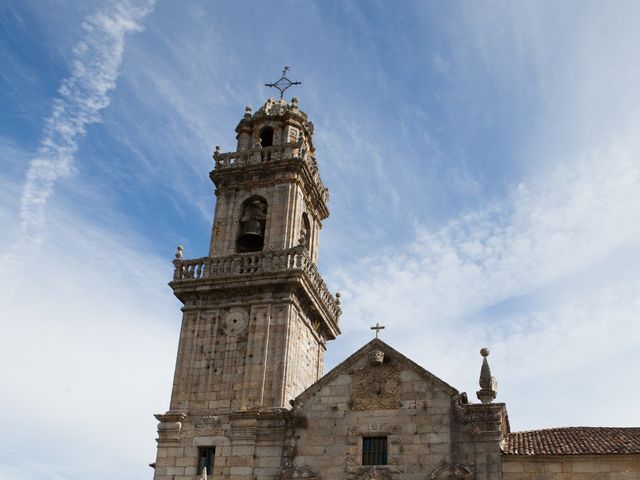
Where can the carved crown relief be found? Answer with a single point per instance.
(376, 386)
(208, 425)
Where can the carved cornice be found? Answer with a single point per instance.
(270, 267)
(170, 426)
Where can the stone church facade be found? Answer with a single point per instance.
(249, 398)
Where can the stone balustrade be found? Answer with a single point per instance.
(260, 155)
(241, 264)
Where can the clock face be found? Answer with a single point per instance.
(235, 322)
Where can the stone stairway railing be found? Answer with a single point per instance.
(254, 263)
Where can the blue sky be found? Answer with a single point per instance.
(484, 171)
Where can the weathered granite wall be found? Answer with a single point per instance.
(258, 350)
(595, 467)
(429, 432)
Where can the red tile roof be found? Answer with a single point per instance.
(573, 441)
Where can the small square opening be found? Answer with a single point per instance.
(374, 450)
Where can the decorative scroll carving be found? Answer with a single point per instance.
(376, 387)
(209, 425)
(452, 471)
(296, 473)
(371, 473)
(273, 107)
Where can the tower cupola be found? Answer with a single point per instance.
(269, 191)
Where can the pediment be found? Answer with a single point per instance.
(369, 374)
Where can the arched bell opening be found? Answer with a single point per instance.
(252, 225)
(306, 227)
(266, 137)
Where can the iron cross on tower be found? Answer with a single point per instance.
(377, 328)
(283, 83)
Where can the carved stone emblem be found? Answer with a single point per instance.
(235, 322)
(376, 356)
(208, 425)
(376, 387)
(372, 473)
(298, 473)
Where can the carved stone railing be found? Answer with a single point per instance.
(293, 259)
(261, 155)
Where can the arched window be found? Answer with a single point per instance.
(252, 225)
(266, 137)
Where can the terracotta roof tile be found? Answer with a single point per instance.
(573, 441)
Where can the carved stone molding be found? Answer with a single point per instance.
(371, 473)
(170, 427)
(208, 425)
(298, 473)
(376, 387)
(452, 471)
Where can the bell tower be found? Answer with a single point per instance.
(257, 314)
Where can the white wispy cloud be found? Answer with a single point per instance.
(82, 96)
(91, 333)
(453, 284)
(548, 274)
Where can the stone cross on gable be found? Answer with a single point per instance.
(377, 328)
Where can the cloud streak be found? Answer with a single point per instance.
(96, 62)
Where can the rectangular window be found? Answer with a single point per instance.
(205, 459)
(374, 450)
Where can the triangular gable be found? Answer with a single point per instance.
(347, 364)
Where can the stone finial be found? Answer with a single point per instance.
(302, 241)
(338, 301)
(294, 103)
(179, 252)
(488, 385)
(217, 151)
(247, 111)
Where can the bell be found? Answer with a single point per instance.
(251, 238)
